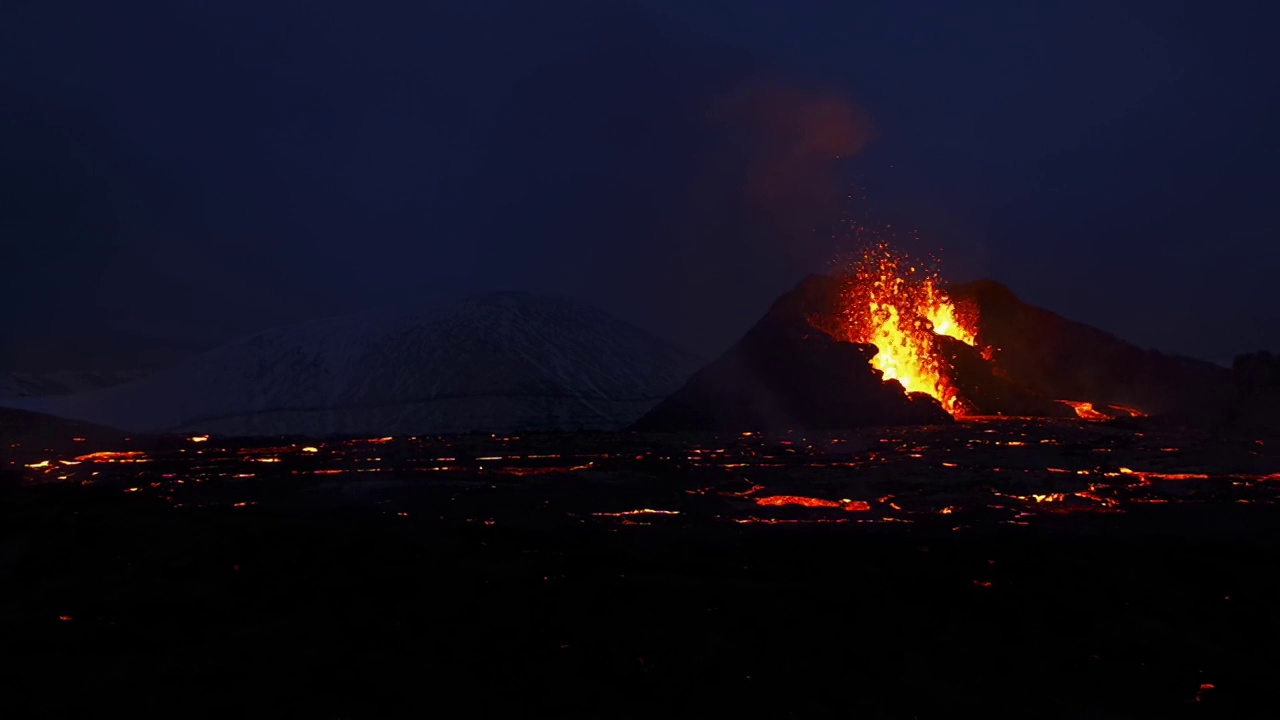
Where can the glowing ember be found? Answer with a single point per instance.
(902, 310)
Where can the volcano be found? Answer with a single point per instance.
(887, 343)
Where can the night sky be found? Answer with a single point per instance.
(200, 170)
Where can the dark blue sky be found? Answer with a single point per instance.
(205, 169)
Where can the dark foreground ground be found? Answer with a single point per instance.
(1007, 569)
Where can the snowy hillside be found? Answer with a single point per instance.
(497, 363)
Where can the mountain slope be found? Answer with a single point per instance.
(1072, 361)
(497, 363)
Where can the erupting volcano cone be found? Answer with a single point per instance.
(927, 340)
(884, 343)
(881, 344)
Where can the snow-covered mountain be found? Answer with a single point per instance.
(497, 363)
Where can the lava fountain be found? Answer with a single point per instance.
(902, 309)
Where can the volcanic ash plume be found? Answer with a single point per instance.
(901, 308)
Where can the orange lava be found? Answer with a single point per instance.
(1085, 410)
(641, 511)
(902, 309)
(107, 456)
(1133, 412)
(848, 505)
(522, 471)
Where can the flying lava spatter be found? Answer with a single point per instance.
(902, 309)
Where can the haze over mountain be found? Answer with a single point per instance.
(496, 363)
(83, 361)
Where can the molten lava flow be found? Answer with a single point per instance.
(846, 505)
(902, 310)
(1133, 412)
(1085, 410)
(106, 456)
